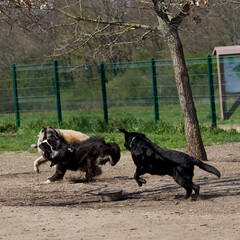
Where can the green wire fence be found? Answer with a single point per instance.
(143, 90)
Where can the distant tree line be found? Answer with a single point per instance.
(24, 41)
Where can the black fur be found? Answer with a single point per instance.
(85, 156)
(150, 158)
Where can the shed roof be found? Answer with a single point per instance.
(226, 50)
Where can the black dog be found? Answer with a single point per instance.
(85, 156)
(150, 158)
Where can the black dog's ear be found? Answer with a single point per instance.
(142, 135)
(123, 130)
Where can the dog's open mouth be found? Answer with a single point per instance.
(47, 148)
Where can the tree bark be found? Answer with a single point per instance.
(193, 136)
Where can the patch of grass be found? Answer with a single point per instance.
(165, 135)
(8, 127)
(219, 136)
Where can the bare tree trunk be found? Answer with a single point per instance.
(193, 136)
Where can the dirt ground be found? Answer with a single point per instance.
(70, 209)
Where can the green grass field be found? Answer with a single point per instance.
(168, 133)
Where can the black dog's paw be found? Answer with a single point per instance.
(141, 181)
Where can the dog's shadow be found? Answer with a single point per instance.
(76, 180)
(218, 188)
(79, 180)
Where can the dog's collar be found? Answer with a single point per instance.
(130, 144)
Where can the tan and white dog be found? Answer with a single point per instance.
(70, 136)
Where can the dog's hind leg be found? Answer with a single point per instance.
(183, 176)
(196, 189)
(187, 183)
(189, 189)
(188, 192)
(90, 169)
(97, 171)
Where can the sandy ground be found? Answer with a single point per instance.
(71, 209)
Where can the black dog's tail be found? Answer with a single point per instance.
(206, 167)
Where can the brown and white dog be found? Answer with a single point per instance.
(86, 156)
(70, 136)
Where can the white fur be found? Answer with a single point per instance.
(105, 158)
(47, 182)
(46, 141)
(53, 153)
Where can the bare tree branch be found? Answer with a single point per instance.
(112, 23)
(176, 21)
(81, 45)
(114, 41)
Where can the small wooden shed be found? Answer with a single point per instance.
(228, 60)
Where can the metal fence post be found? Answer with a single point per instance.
(57, 92)
(211, 91)
(14, 75)
(104, 94)
(155, 92)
